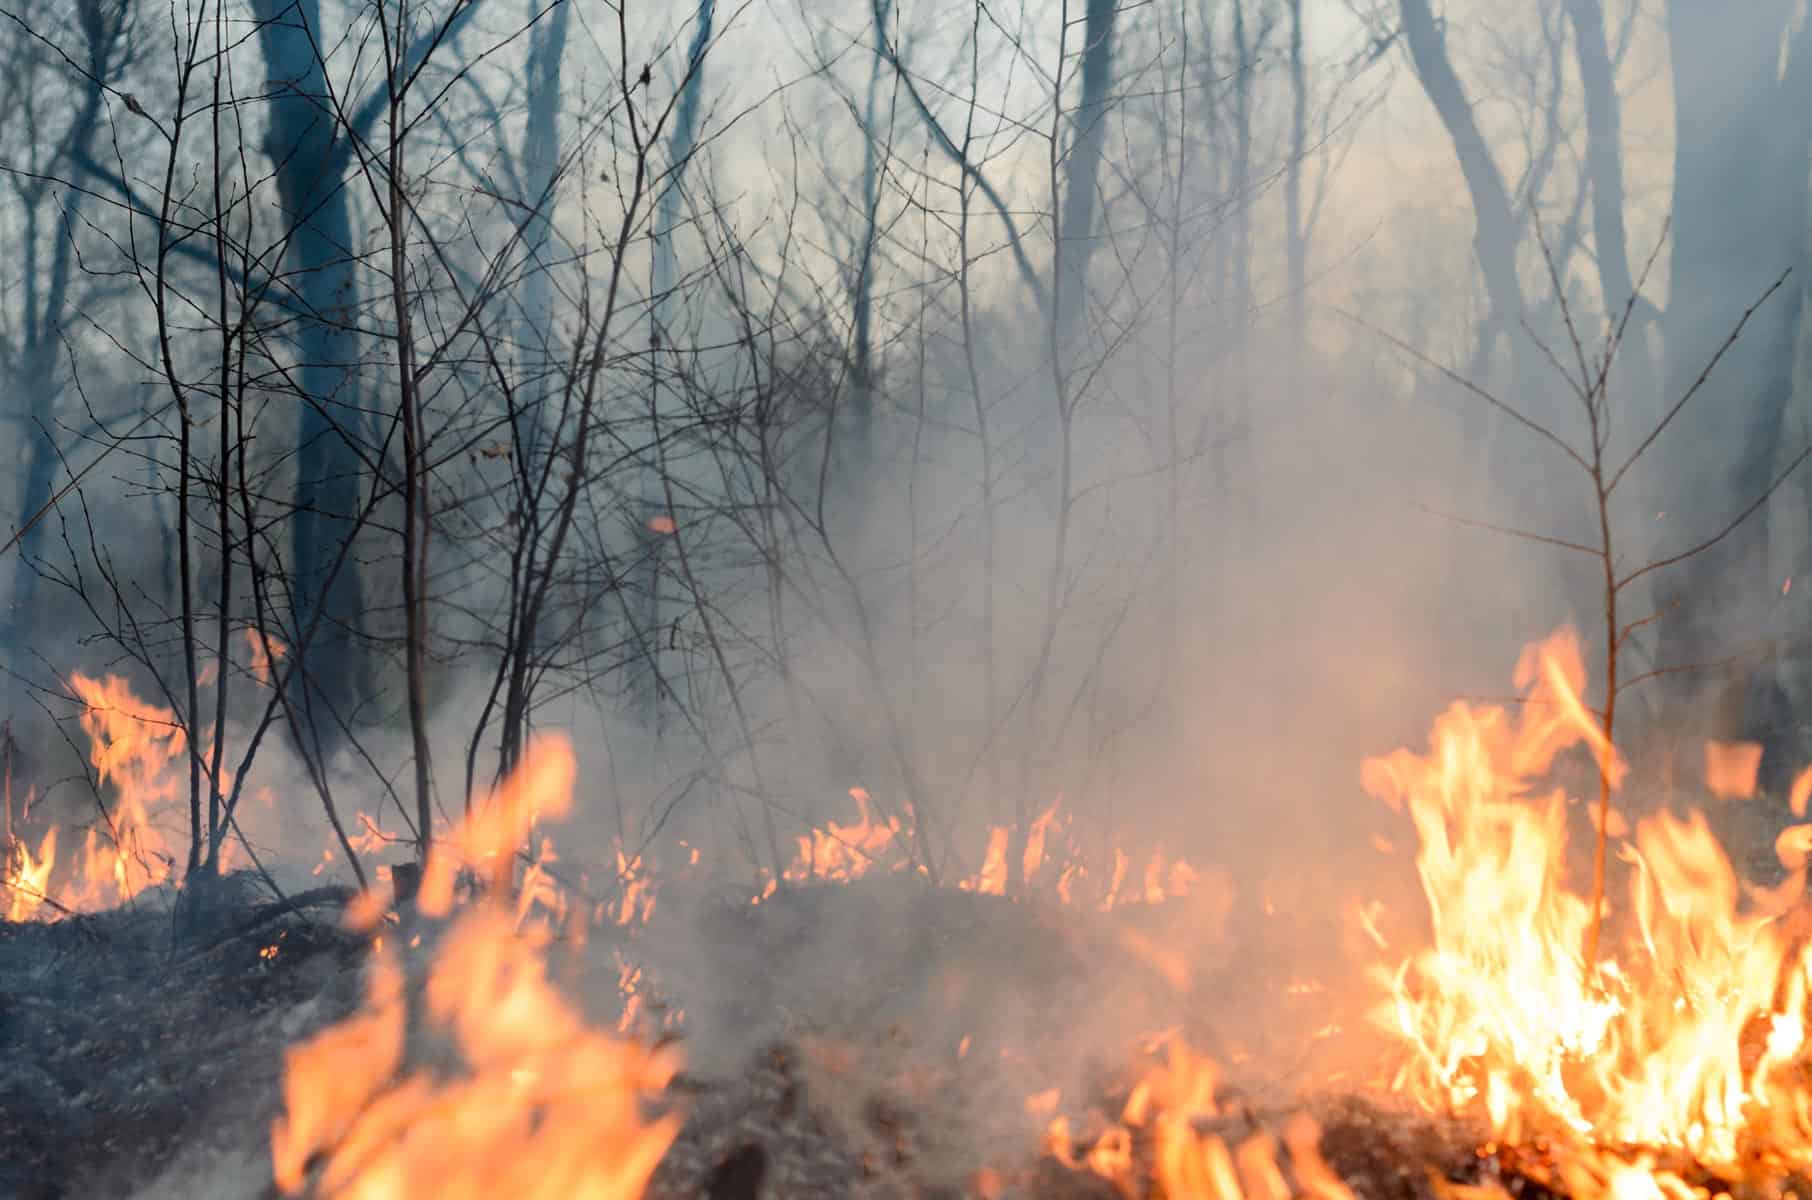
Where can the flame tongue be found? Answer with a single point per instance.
(1684, 1037)
(132, 745)
(543, 1105)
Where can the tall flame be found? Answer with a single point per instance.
(133, 746)
(1687, 1035)
(25, 877)
(544, 1106)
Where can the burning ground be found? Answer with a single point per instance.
(835, 1065)
(1056, 1023)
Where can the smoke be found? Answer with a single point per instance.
(1178, 567)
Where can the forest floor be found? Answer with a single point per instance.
(875, 1039)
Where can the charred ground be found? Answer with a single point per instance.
(828, 1060)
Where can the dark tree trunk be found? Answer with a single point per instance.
(862, 301)
(1604, 154)
(1741, 130)
(1494, 237)
(654, 529)
(1296, 248)
(310, 160)
(1076, 225)
(1494, 240)
(47, 300)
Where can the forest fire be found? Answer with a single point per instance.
(1685, 1040)
(133, 746)
(1053, 861)
(930, 462)
(544, 1106)
(1176, 1103)
(1673, 1066)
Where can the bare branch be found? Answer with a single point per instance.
(1754, 506)
(1698, 383)
(1455, 377)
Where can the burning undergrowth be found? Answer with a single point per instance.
(1051, 1024)
(1660, 1052)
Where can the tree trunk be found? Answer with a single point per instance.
(1076, 226)
(1494, 237)
(540, 171)
(862, 370)
(1296, 248)
(37, 378)
(1604, 156)
(655, 529)
(310, 161)
(1739, 219)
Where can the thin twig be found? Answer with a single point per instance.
(1754, 505)
(1697, 383)
(1455, 377)
(1508, 530)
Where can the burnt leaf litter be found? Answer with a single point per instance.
(133, 1047)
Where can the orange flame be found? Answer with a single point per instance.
(1730, 769)
(992, 881)
(1172, 1101)
(635, 906)
(486, 842)
(546, 1107)
(266, 651)
(844, 852)
(133, 745)
(25, 877)
(1687, 1035)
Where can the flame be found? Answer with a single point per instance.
(1171, 1103)
(1689, 1034)
(25, 877)
(1730, 769)
(545, 1107)
(541, 900)
(1051, 861)
(140, 750)
(992, 880)
(486, 842)
(1800, 792)
(265, 651)
(329, 1080)
(635, 906)
(369, 837)
(843, 852)
(133, 745)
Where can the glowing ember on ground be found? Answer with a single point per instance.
(1689, 1036)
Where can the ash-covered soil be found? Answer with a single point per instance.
(120, 1042)
(876, 1039)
